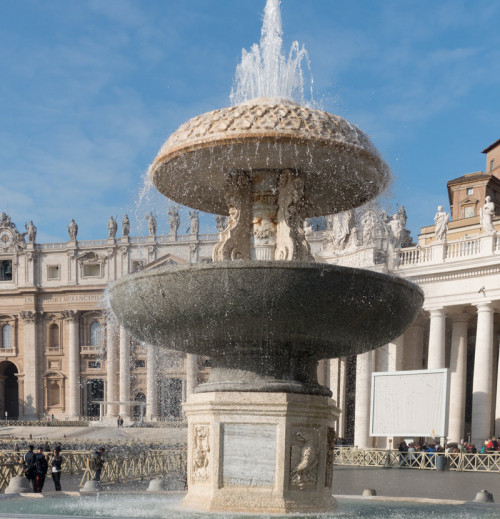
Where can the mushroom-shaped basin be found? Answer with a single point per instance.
(275, 308)
(340, 166)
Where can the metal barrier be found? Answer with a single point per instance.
(117, 469)
(462, 462)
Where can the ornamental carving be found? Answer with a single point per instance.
(69, 315)
(10, 237)
(201, 453)
(30, 316)
(305, 457)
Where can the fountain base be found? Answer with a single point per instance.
(260, 452)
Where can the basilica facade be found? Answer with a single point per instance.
(62, 355)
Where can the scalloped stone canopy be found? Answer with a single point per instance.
(341, 167)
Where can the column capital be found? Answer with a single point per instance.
(437, 312)
(30, 316)
(70, 315)
(486, 306)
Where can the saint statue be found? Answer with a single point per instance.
(151, 224)
(486, 215)
(441, 224)
(112, 227)
(175, 220)
(73, 230)
(31, 232)
(194, 219)
(220, 222)
(125, 226)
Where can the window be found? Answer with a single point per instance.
(6, 270)
(140, 363)
(53, 336)
(95, 334)
(94, 364)
(92, 270)
(7, 336)
(468, 211)
(470, 190)
(492, 164)
(53, 272)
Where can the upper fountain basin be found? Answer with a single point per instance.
(341, 167)
(211, 309)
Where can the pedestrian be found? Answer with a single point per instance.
(28, 465)
(41, 467)
(46, 447)
(118, 421)
(56, 463)
(121, 421)
(58, 447)
(97, 463)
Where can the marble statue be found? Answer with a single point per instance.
(175, 220)
(396, 226)
(194, 222)
(152, 224)
(112, 227)
(31, 232)
(125, 226)
(369, 224)
(441, 224)
(486, 214)
(73, 230)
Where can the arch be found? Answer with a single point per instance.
(95, 334)
(6, 336)
(9, 390)
(138, 409)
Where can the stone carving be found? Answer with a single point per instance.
(330, 456)
(344, 231)
(175, 221)
(70, 315)
(308, 228)
(30, 316)
(220, 222)
(194, 222)
(112, 227)
(304, 473)
(291, 243)
(9, 235)
(31, 229)
(369, 223)
(487, 212)
(235, 239)
(441, 224)
(73, 230)
(151, 225)
(125, 226)
(201, 452)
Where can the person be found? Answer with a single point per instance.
(486, 215)
(121, 421)
(58, 447)
(441, 222)
(97, 463)
(41, 467)
(55, 464)
(118, 421)
(46, 447)
(28, 466)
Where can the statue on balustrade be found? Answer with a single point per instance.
(112, 227)
(487, 212)
(73, 230)
(125, 226)
(152, 224)
(175, 220)
(194, 222)
(441, 224)
(31, 232)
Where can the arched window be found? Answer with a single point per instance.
(54, 336)
(95, 334)
(7, 336)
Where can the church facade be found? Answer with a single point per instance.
(62, 355)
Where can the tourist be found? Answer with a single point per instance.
(58, 447)
(46, 447)
(28, 465)
(41, 467)
(56, 463)
(119, 421)
(97, 463)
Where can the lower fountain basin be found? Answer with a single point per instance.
(265, 324)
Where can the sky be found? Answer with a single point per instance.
(90, 89)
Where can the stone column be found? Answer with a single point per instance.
(111, 369)
(414, 346)
(71, 317)
(124, 372)
(436, 356)
(338, 368)
(497, 408)
(483, 375)
(395, 354)
(191, 374)
(458, 378)
(151, 383)
(32, 367)
(364, 367)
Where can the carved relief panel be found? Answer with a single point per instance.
(200, 468)
(304, 458)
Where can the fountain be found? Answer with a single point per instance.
(260, 431)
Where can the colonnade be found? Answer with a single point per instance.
(448, 332)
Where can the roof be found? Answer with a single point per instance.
(491, 146)
(470, 177)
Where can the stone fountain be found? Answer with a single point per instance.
(260, 431)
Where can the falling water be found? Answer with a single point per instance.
(265, 71)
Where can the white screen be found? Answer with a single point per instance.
(409, 403)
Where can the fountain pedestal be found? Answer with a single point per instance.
(260, 452)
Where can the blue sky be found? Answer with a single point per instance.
(90, 89)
